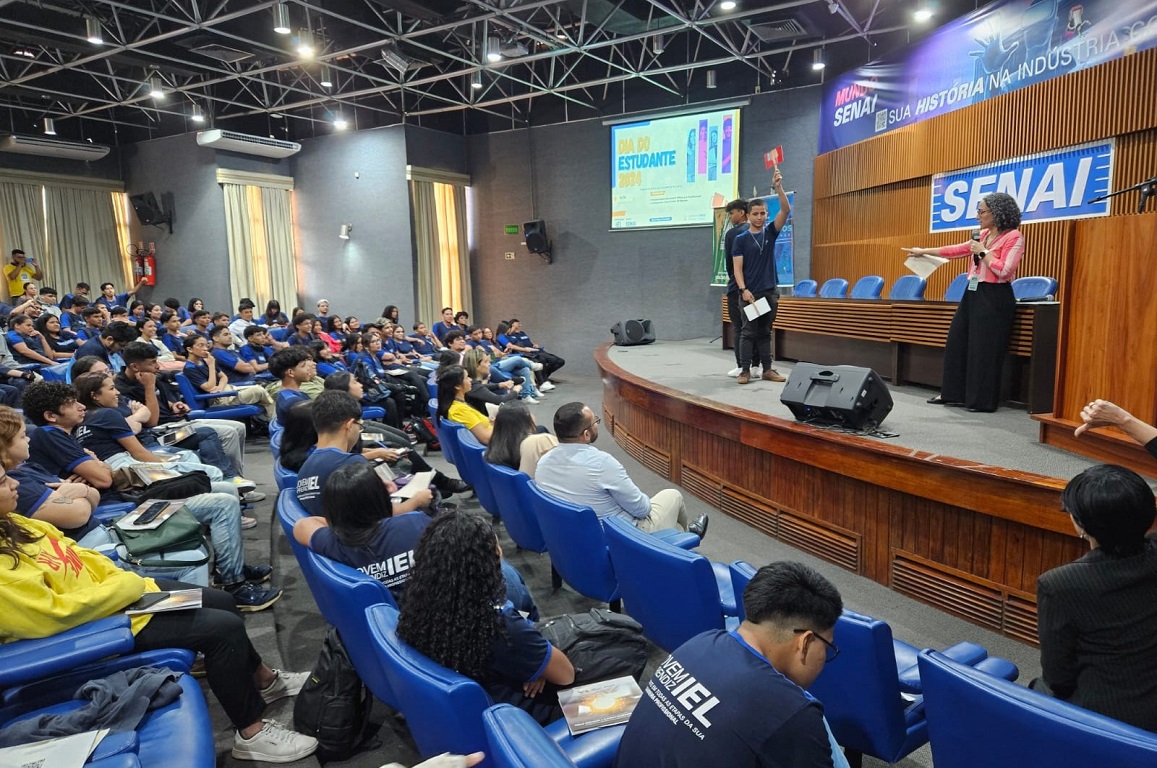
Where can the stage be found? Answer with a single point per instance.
(960, 510)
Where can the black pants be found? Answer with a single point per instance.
(550, 363)
(216, 630)
(755, 346)
(735, 312)
(976, 346)
(414, 379)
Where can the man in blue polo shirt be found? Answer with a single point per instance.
(257, 351)
(110, 341)
(110, 298)
(236, 369)
(739, 699)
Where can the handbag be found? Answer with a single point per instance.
(179, 532)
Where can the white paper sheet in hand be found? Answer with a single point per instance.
(924, 265)
(760, 307)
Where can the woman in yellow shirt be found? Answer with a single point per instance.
(48, 584)
(453, 384)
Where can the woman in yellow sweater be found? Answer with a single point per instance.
(453, 384)
(48, 584)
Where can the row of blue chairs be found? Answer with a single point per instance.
(911, 288)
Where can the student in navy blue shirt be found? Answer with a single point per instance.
(257, 350)
(512, 338)
(79, 292)
(292, 367)
(739, 698)
(445, 325)
(173, 339)
(92, 322)
(302, 330)
(236, 369)
(110, 298)
(327, 362)
(201, 371)
(110, 341)
(70, 316)
(423, 340)
(202, 323)
(26, 344)
(60, 340)
(273, 315)
(753, 259)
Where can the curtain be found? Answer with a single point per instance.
(425, 216)
(83, 243)
(259, 226)
(443, 258)
(22, 220)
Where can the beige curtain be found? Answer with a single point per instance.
(425, 216)
(21, 220)
(443, 256)
(83, 242)
(259, 226)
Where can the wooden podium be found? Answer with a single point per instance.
(1108, 337)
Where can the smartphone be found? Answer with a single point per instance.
(150, 514)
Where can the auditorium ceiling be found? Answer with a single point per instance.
(419, 62)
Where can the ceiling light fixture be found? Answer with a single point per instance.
(26, 53)
(711, 78)
(156, 87)
(92, 30)
(198, 116)
(817, 60)
(833, 7)
(305, 44)
(493, 49)
(339, 122)
(923, 13)
(344, 231)
(658, 43)
(49, 126)
(727, 5)
(326, 78)
(560, 35)
(281, 19)
(476, 81)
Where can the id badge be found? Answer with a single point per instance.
(973, 282)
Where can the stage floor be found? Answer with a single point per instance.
(1007, 438)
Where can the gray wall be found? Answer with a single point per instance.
(598, 276)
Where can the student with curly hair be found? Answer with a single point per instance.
(453, 611)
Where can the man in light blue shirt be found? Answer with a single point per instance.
(578, 472)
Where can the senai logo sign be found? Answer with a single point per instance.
(1047, 186)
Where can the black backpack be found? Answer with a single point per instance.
(600, 644)
(186, 486)
(334, 704)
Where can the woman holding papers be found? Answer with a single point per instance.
(978, 338)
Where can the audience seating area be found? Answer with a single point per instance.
(912, 287)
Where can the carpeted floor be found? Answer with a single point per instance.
(290, 633)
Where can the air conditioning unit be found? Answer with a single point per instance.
(249, 145)
(49, 147)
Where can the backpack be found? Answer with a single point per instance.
(131, 487)
(600, 644)
(334, 704)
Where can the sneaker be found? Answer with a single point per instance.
(284, 685)
(253, 497)
(744, 377)
(274, 743)
(248, 522)
(772, 375)
(256, 574)
(529, 399)
(546, 386)
(244, 486)
(535, 366)
(734, 372)
(250, 597)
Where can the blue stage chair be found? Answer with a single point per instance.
(199, 410)
(473, 469)
(869, 287)
(861, 689)
(975, 719)
(741, 575)
(957, 287)
(673, 593)
(805, 289)
(515, 740)
(511, 489)
(908, 288)
(1034, 288)
(444, 709)
(836, 288)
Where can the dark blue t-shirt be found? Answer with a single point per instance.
(32, 343)
(717, 701)
(519, 654)
(388, 557)
(101, 430)
(728, 249)
(197, 374)
(33, 491)
(56, 451)
(286, 399)
(227, 361)
(424, 346)
(758, 252)
(315, 471)
(255, 353)
(95, 348)
(120, 300)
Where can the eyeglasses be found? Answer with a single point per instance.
(831, 651)
(598, 420)
(359, 422)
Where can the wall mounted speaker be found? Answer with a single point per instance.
(628, 333)
(535, 234)
(846, 395)
(149, 211)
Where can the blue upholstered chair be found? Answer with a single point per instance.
(515, 740)
(861, 689)
(975, 719)
(280, 332)
(275, 444)
(908, 288)
(805, 289)
(673, 593)
(868, 287)
(106, 513)
(473, 468)
(1034, 288)
(836, 288)
(289, 511)
(956, 288)
(198, 403)
(444, 709)
(38, 677)
(448, 439)
(511, 490)
(741, 575)
(58, 372)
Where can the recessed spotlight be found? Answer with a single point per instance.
(658, 43)
(922, 14)
(476, 80)
(277, 115)
(26, 53)
(711, 81)
(344, 231)
(493, 49)
(326, 78)
(728, 5)
(92, 31)
(560, 35)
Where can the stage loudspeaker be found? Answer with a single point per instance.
(149, 211)
(846, 395)
(628, 333)
(535, 234)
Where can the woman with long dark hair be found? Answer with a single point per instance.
(60, 340)
(273, 315)
(453, 612)
(453, 384)
(515, 441)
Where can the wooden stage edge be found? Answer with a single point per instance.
(965, 537)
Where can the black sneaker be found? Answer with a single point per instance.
(256, 574)
(251, 597)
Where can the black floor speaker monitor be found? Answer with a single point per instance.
(630, 332)
(846, 395)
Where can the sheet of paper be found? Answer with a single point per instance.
(420, 481)
(924, 265)
(66, 752)
(492, 411)
(760, 307)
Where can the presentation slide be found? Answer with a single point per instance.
(673, 171)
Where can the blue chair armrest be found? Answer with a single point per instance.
(47, 690)
(594, 749)
(106, 513)
(677, 538)
(26, 660)
(727, 600)
(969, 654)
(997, 667)
(214, 395)
(119, 760)
(120, 743)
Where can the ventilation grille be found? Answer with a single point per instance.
(755, 513)
(779, 30)
(1020, 620)
(223, 53)
(701, 485)
(841, 548)
(608, 420)
(656, 461)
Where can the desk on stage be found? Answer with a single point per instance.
(903, 341)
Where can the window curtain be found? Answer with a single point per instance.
(22, 220)
(443, 258)
(259, 226)
(83, 242)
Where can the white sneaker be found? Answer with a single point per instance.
(274, 743)
(535, 365)
(252, 497)
(284, 685)
(529, 399)
(244, 486)
(734, 372)
(546, 386)
(248, 523)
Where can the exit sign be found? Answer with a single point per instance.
(511, 229)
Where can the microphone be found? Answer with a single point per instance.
(976, 238)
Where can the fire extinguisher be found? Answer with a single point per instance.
(144, 263)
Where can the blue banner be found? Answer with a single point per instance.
(1047, 186)
(1002, 47)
